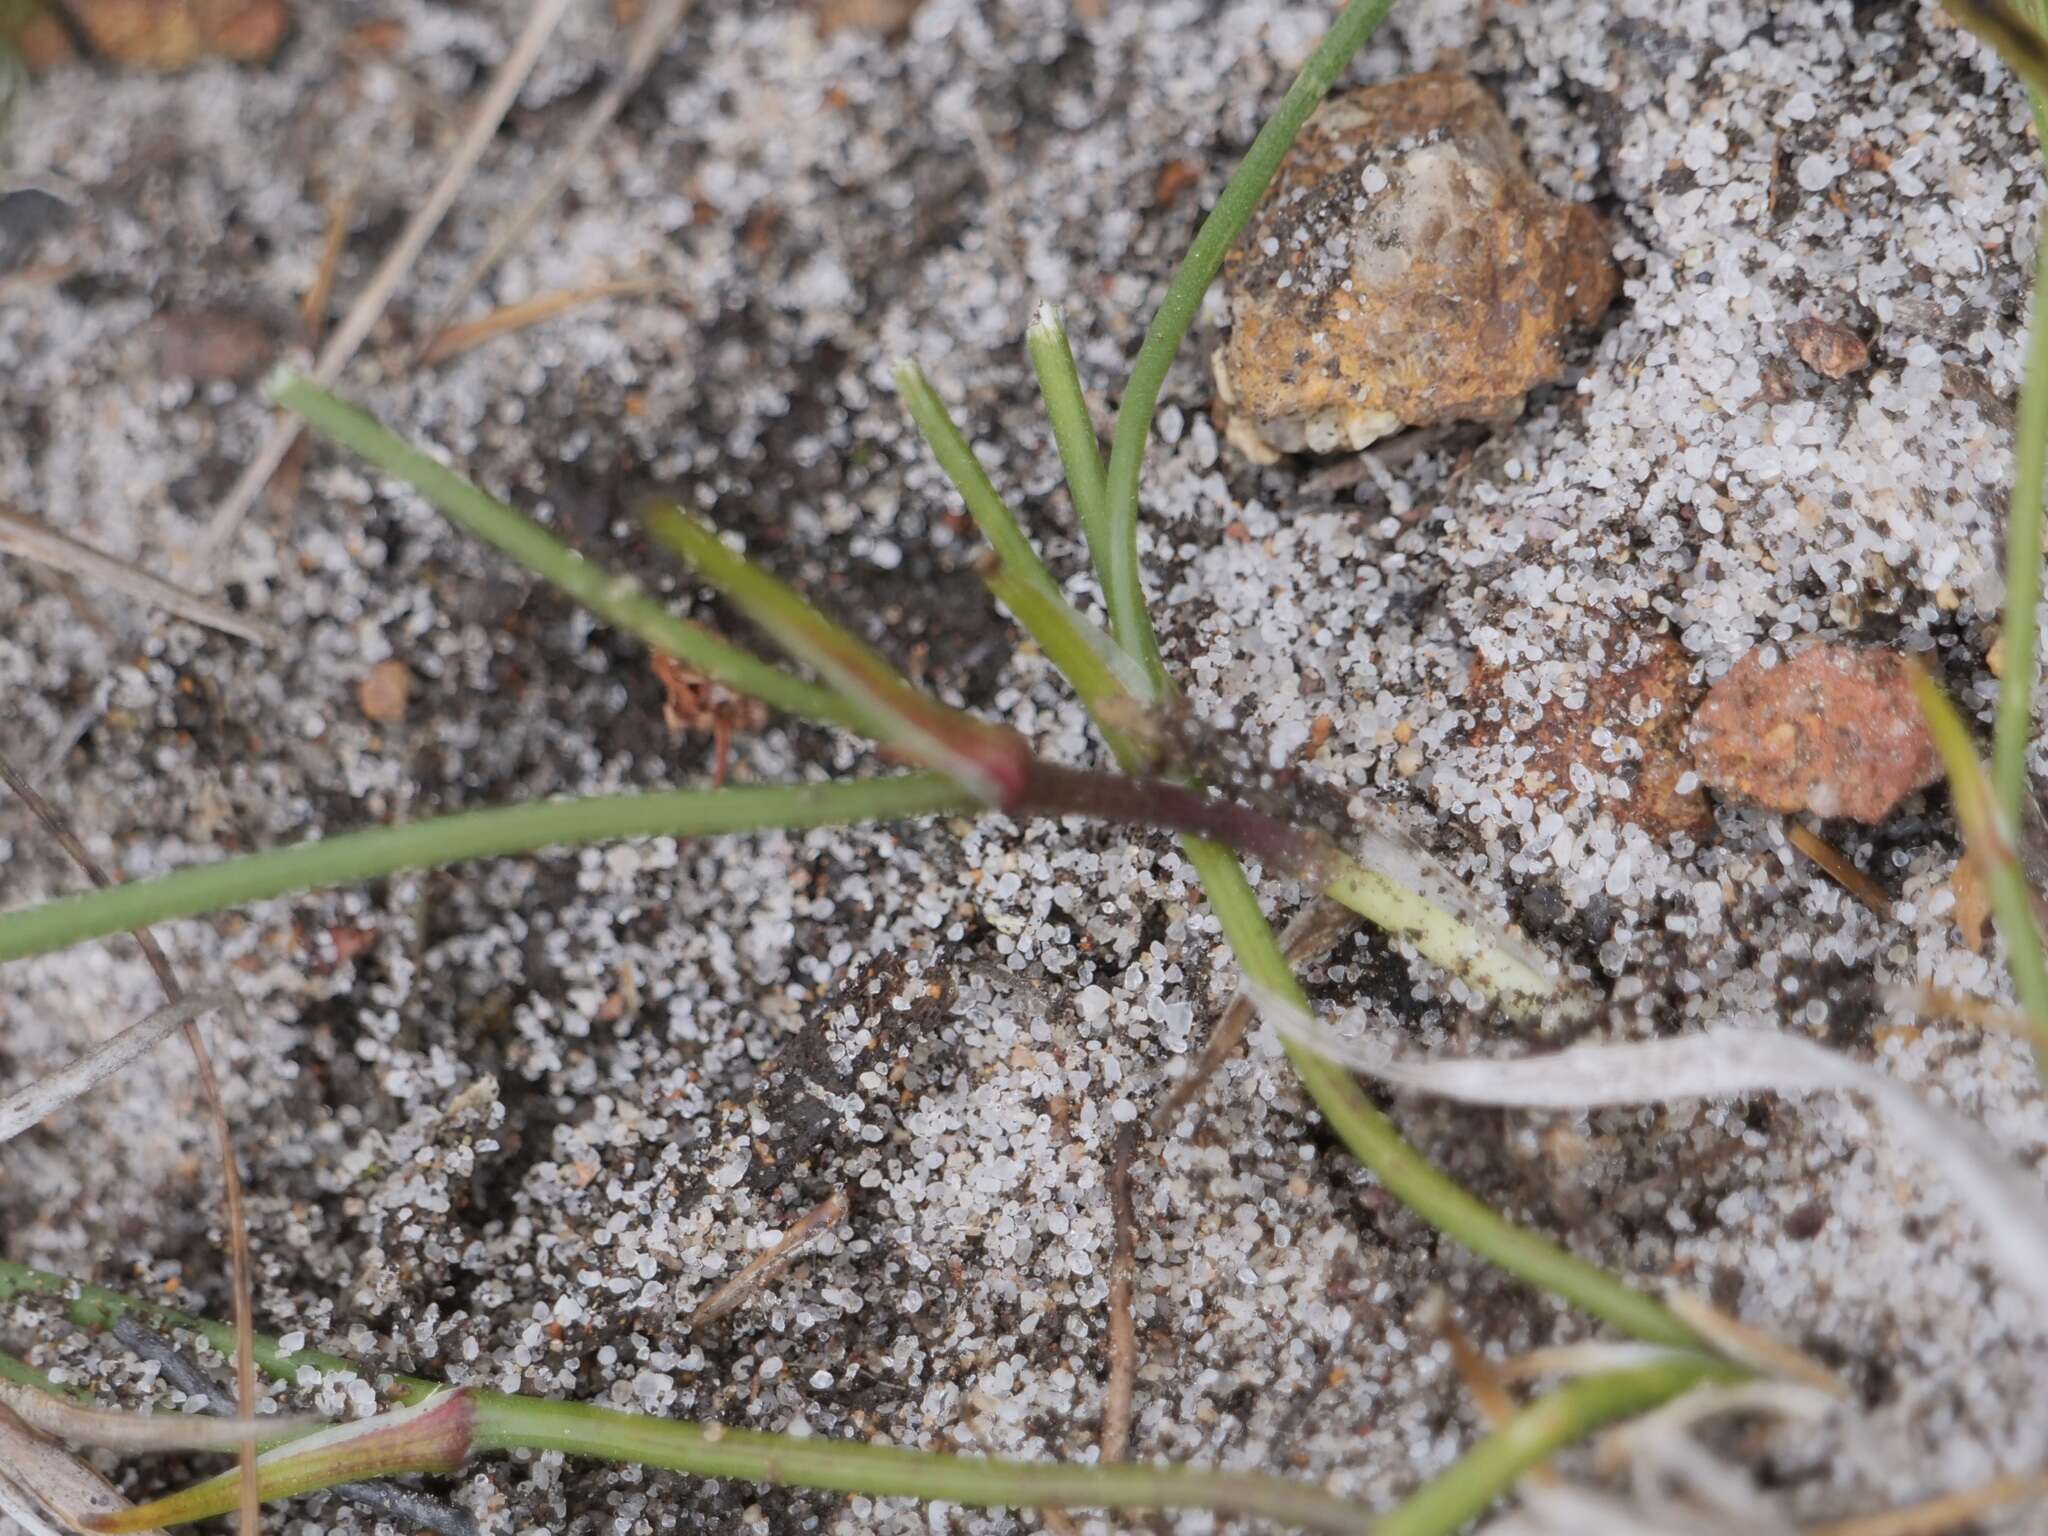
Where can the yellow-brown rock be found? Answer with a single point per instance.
(1403, 270)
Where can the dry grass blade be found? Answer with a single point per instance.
(1938, 1003)
(313, 306)
(1838, 868)
(657, 21)
(1753, 1347)
(2008, 1204)
(30, 540)
(808, 1228)
(1938, 1516)
(119, 1430)
(1484, 1381)
(1568, 1510)
(42, 1098)
(1662, 1456)
(41, 1483)
(209, 1087)
(457, 339)
(1123, 1331)
(369, 306)
(1583, 1359)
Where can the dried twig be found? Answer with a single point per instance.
(1123, 1275)
(1752, 1346)
(118, 1429)
(209, 1087)
(657, 21)
(809, 1227)
(1942, 1514)
(1314, 932)
(31, 540)
(457, 339)
(369, 306)
(31, 1105)
(1838, 868)
(313, 306)
(408, 1506)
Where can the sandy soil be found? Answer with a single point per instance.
(504, 1124)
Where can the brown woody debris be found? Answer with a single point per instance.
(1829, 349)
(1833, 730)
(386, 691)
(885, 18)
(1631, 727)
(173, 34)
(1403, 270)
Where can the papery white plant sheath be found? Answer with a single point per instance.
(2007, 1201)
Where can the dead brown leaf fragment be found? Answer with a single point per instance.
(1830, 349)
(696, 703)
(207, 346)
(1833, 730)
(175, 34)
(386, 691)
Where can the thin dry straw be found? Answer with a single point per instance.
(119, 1430)
(237, 1223)
(657, 21)
(31, 1105)
(32, 541)
(369, 306)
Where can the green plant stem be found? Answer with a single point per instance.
(507, 1422)
(22, 1374)
(1122, 585)
(616, 599)
(441, 840)
(1073, 429)
(1988, 842)
(1369, 1135)
(504, 1422)
(94, 1306)
(988, 759)
(1374, 1140)
(1102, 679)
(1537, 1433)
(851, 1467)
(2019, 638)
(963, 467)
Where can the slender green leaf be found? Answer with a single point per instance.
(991, 761)
(1121, 582)
(442, 840)
(1073, 429)
(617, 600)
(1989, 841)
